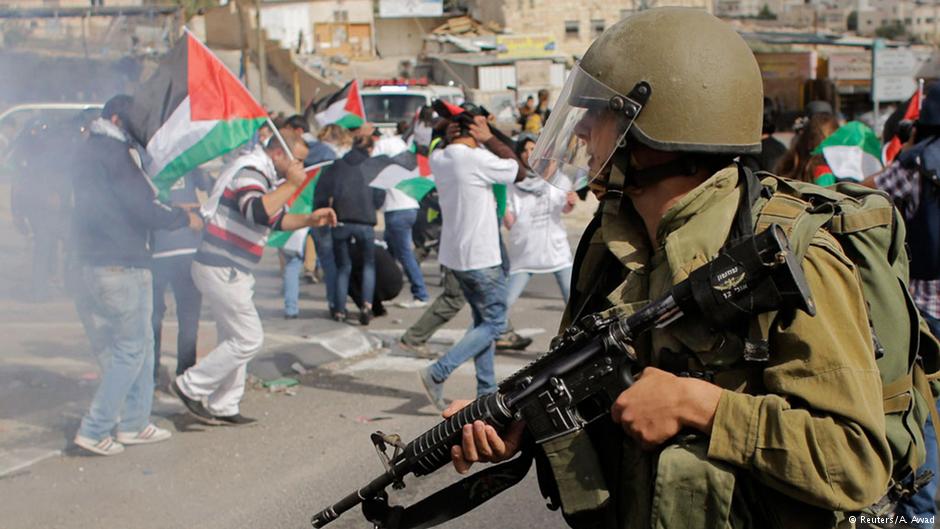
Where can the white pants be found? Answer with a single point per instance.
(218, 379)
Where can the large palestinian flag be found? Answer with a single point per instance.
(343, 108)
(190, 111)
(301, 202)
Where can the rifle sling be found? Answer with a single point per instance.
(457, 499)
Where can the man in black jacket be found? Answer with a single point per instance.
(115, 210)
(344, 186)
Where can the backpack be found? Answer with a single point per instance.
(923, 228)
(871, 233)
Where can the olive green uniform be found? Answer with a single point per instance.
(796, 440)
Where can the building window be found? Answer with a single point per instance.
(597, 27)
(341, 16)
(572, 29)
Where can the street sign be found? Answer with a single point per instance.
(893, 74)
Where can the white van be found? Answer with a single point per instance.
(388, 101)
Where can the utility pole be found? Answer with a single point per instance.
(262, 53)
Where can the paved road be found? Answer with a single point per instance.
(309, 448)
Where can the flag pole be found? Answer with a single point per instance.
(280, 139)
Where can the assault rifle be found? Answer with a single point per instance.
(592, 362)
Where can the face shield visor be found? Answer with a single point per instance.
(589, 122)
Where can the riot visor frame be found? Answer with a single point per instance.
(588, 124)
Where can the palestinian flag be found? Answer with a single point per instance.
(893, 148)
(852, 153)
(301, 202)
(190, 111)
(343, 108)
(416, 182)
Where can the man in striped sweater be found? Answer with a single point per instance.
(252, 201)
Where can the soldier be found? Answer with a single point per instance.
(663, 102)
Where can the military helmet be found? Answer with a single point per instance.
(675, 79)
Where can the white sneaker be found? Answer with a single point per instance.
(151, 434)
(104, 447)
(413, 304)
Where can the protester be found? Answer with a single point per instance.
(388, 277)
(525, 110)
(293, 256)
(345, 187)
(423, 130)
(401, 214)
(245, 205)
(903, 181)
(465, 173)
(394, 144)
(40, 195)
(173, 252)
(115, 209)
(317, 150)
(338, 142)
(799, 162)
(538, 241)
(443, 309)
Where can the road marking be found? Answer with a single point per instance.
(15, 460)
(346, 342)
(402, 364)
(447, 336)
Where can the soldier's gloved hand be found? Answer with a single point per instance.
(481, 442)
(661, 404)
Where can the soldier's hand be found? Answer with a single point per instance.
(481, 442)
(660, 404)
(296, 175)
(480, 129)
(322, 217)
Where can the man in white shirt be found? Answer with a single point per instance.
(465, 173)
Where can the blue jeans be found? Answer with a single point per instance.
(922, 504)
(293, 262)
(174, 272)
(398, 226)
(485, 290)
(323, 242)
(116, 305)
(518, 281)
(365, 234)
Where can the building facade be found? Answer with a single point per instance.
(573, 24)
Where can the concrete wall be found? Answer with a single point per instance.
(222, 27)
(402, 36)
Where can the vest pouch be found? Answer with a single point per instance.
(691, 491)
(577, 472)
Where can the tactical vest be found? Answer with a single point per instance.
(687, 489)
